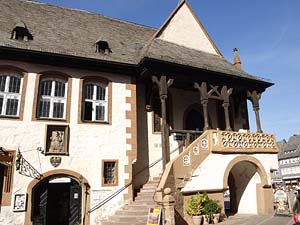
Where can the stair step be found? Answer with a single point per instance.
(146, 199)
(149, 190)
(136, 213)
(145, 194)
(133, 212)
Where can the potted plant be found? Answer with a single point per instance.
(195, 207)
(212, 210)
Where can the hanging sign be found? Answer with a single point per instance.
(154, 216)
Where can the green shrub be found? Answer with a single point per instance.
(211, 207)
(195, 204)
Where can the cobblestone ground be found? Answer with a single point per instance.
(259, 220)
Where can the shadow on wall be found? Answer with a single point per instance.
(141, 166)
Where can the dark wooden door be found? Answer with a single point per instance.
(1, 182)
(75, 203)
(43, 206)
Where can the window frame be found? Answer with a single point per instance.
(108, 93)
(12, 95)
(54, 76)
(95, 102)
(116, 173)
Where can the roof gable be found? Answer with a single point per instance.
(185, 29)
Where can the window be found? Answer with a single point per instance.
(21, 33)
(10, 94)
(95, 102)
(52, 98)
(109, 173)
(103, 47)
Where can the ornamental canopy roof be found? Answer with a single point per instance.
(70, 32)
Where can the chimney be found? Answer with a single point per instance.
(237, 61)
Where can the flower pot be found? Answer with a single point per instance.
(216, 218)
(197, 220)
(205, 219)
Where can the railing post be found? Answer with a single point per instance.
(168, 203)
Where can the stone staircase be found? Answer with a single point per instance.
(136, 213)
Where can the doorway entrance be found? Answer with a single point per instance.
(57, 201)
(242, 182)
(193, 120)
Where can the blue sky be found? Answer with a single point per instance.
(265, 32)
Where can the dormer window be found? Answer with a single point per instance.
(103, 47)
(21, 33)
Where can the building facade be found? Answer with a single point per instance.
(93, 107)
(288, 160)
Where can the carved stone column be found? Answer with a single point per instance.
(168, 203)
(225, 93)
(254, 98)
(204, 102)
(163, 86)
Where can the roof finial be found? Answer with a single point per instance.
(237, 60)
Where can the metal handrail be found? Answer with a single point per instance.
(114, 194)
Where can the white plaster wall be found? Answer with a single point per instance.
(248, 201)
(185, 30)
(89, 143)
(215, 165)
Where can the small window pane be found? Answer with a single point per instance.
(2, 83)
(44, 108)
(109, 172)
(88, 110)
(100, 93)
(14, 84)
(12, 107)
(1, 103)
(59, 89)
(58, 110)
(100, 112)
(46, 87)
(88, 94)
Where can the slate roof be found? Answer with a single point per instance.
(71, 32)
(74, 32)
(291, 149)
(170, 52)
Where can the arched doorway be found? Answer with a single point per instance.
(248, 187)
(56, 200)
(193, 120)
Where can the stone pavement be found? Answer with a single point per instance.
(243, 219)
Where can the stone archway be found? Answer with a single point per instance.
(193, 118)
(81, 195)
(249, 189)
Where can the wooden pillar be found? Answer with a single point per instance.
(225, 93)
(163, 86)
(254, 98)
(204, 101)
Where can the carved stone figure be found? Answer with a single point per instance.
(57, 142)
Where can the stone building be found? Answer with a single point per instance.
(93, 109)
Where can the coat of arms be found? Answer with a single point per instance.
(55, 161)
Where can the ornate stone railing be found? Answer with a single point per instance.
(241, 142)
